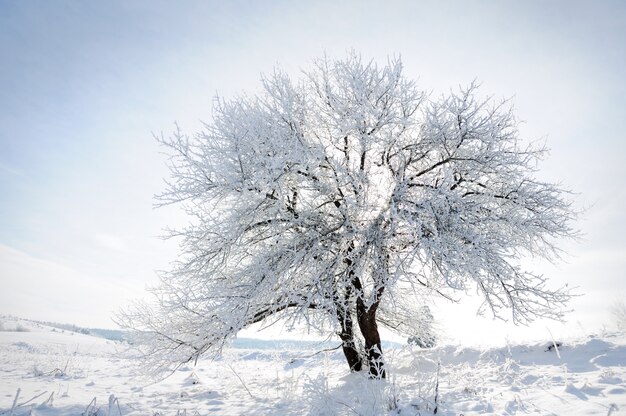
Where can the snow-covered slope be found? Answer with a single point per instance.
(64, 373)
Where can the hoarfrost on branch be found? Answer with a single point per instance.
(346, 199)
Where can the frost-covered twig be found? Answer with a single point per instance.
(437, 388)
(49, 401)
(321, 351)
(114, 401)
(555, 345)
(91, 409)
(16, 405)
(17, 395)
(241, 381)
(32, 398)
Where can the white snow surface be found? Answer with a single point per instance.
(64, 373)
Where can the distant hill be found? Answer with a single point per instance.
(238, 343)
(111, 334)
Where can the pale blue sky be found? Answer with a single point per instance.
(84, 84)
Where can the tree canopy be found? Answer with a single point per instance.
(350, 196)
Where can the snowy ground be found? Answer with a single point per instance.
(64, 373)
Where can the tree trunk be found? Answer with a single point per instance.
(366, 317)
(355, 362)
(373, 348)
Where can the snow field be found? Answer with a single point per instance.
(63, 373)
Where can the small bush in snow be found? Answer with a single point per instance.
(618, 311)
(21, 328)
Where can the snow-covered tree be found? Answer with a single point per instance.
(346, 199)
